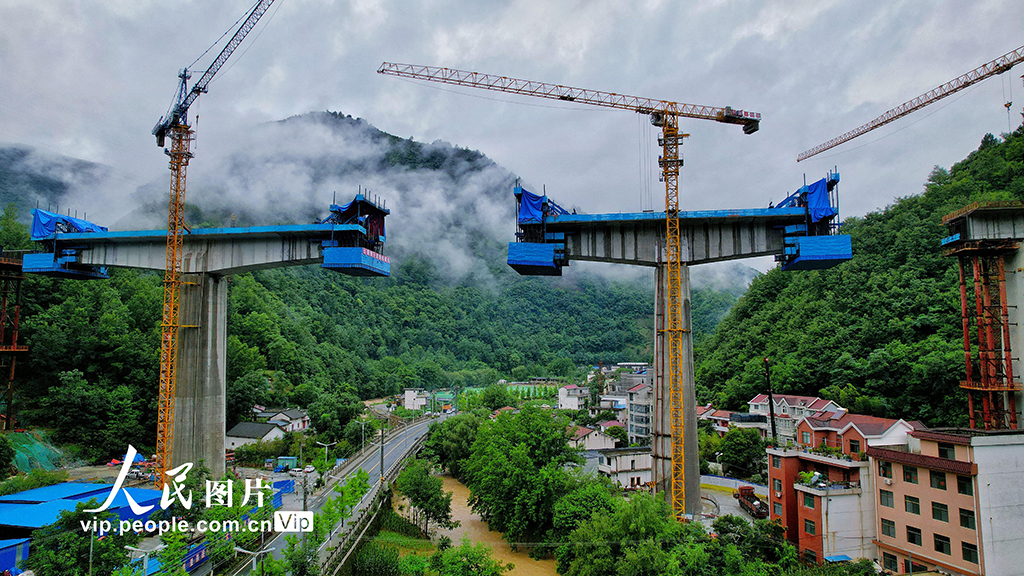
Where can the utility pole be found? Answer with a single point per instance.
(362, 431)
(771, 403)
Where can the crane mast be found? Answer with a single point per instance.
(987, 70)
(176, 125)
(665, 115)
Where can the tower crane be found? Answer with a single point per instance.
(665, 115)
(175, 124)
(987, 70)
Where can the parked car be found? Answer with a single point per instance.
(309, 469)
(296, 472)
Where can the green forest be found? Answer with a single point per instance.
(881, 334)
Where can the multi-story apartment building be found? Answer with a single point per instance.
(573, 397)
(952, 501)
(629, 467)
(822, 490)
(641, 408)
(789, 409)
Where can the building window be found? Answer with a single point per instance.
(947, 451)
(777, 506)
(965, 485)
(777, 485)
(810, 557)
(885, 469)
(888, 528)
(912, 504)
(776, 462)
(910, 474)
(940, 512)
(938, 479)
(967, 518)
(885, 498)
(808, 501)
(889, 562)
(942, 544)
(809, 527)
(805, 437)
(914, 535)
(970, 552)
(854, 446)
(632, 464)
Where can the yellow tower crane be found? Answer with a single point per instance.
(664, 114)
(175, 124)
(987, 70)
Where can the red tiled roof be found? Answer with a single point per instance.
(637, 387)
(759, 399)
(610, 423)
(818, 404)
(867, 425)
(580, 433)
(702, 410)
(726, 414)
(942, 437)
(930, 462)
(570, 386)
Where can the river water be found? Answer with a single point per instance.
(476, 530)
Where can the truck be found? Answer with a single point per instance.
(750, 502)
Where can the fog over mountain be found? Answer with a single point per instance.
(451, 205)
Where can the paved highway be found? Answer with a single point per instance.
(396, 445)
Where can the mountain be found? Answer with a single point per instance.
(452, 313)
(880, 333)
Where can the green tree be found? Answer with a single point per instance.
(425, 494)
(495, 397)
(620, 435)
(332, 412)
(742, 452)
(451, 440)
(62, 548)
(13, 234)
(468, 559)
(516, 472)
(6, 456)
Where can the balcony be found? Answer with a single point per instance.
(829, 489)
(805, 453)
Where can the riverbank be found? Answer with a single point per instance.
(474, 528)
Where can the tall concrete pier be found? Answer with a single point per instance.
(210, 256)
(639, 240)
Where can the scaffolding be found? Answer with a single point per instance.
(10, 314)
(992, 389)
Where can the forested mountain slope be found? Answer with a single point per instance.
(880, 333)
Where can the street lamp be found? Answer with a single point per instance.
(362, 430)
(325, 449)
(145, 555)
(255, 555)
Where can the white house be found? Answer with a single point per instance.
(572, 397)
(590, 439)
(291, 420)
(416, 398)
(630, 467)
(250, 433)
(641, 408)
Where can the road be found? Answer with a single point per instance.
(395, 448)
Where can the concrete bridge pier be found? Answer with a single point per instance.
(662, 438)
(200, 395)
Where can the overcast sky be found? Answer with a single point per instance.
(90, 79)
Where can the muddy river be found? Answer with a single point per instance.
(476, 530)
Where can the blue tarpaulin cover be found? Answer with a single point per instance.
(818, 201)
(531, 207)
(45, 223)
